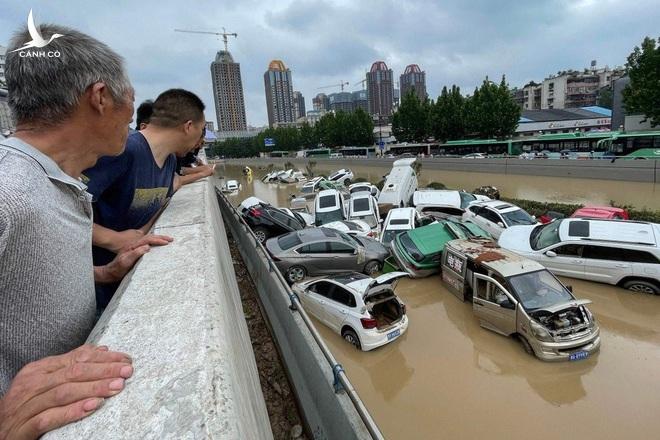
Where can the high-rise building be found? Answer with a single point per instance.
(380, 89)
(360, 100)
(321, 102)
(573, 89)
(342, 101)
(299, 105)
(279, 94)
(210, 126)
(413, 78)
(228, 93)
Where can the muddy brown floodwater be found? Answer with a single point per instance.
(449, 378)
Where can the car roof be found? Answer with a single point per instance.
(437, 197)
(497, 205)
(313, 234)
(328, 192)
(488, 254)
(595, 210)
(430, 239)
(397, 213)
(605, 230)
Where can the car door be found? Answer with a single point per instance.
(493, 305)
(605, 264)
(492, 221)
(342, 257)
(338, 308)
(313, 257)
(566, 261)
(318, 299)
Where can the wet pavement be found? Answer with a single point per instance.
(449, 378)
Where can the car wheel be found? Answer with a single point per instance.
(261, 233)
(526, 345)
(295, 274)
(641, 286)
(372, 267)
(352, 338)
(347, 182)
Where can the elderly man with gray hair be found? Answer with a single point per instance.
(70, 110)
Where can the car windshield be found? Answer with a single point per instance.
(307, 189)
(389, 235)
(368, 219)
(466, 199)
(518, 217)
(321, 218)
(410, 247)
(360, 188)
(545, 235)
(538, 290)
(288, 241)
(360, 205)
(327, 201)
(349, 239)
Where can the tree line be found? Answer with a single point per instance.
(332, 130)
(490, 112)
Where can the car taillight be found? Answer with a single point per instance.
(371, 234)
(255, 212)
(368, 323)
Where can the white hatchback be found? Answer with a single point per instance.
(364, 207)
(330, 206)
(400, 220)
(363, 310)
(495, 216)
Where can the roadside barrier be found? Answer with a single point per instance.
(328, 401)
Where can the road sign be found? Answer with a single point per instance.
(381, 145)
(269, 142)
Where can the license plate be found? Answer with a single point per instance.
(394, 334)
(578, 356)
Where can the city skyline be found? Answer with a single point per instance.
(327, 42)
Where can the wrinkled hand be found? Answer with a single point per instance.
(127, 257)
(205, 170)
(58, 390)
(125, 239)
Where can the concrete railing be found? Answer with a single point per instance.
(329, 403)
(179, 315)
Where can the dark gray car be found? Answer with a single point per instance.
(323, 251)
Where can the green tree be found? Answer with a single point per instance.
(642, 95)
(307, 136)
(410, 121)
(448, 115)
(491, 112)
(605, 97)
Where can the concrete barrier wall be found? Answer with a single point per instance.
(622, 170)
(329, 415)
(179, 315)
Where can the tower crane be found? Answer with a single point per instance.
(224, 34)
(361, 82)
(341, 84)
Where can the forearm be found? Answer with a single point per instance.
(190, 178)
(105, 238)
(102, 276)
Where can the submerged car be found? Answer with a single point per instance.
(363, 310)
(267, 221)
(419, 250)
(364, 207)
(231, 186)
(605, 212)
(344, 176)
(364, 187)
(399, 220)
(495, 216)
(351, 227)
(324, 251)
(330, 206)
(312, 186)
(444, 203)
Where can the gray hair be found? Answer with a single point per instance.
(46, 89)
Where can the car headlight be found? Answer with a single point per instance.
(591, 317)
(541, 333)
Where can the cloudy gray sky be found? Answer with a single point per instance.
(323, 42)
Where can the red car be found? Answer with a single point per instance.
(607, 212)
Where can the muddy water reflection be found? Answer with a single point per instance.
(449, 378)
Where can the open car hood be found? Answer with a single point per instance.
(565, 305)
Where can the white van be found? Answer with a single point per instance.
(399, 187)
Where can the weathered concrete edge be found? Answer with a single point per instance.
(180, 317)
(329, 415)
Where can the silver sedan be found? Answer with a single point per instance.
(323, 251)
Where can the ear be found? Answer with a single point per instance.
(187, 127)
(99, 97)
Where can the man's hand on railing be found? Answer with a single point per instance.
(58, 390)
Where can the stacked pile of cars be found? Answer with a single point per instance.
(489, 253)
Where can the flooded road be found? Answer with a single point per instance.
(449, 378)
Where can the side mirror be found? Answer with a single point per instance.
(500, 224)
(570, 288)
(381, 221)
(507, 304)
(534, 217)
(551, 254)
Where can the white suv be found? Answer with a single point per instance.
(623, 253)
(495, 216)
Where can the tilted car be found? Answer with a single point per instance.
(444, 203)
(344, 176)
(606, 212)
(364, 207)
(363, 310)
(330, 206)
(364, 187)
(399, 220)
(619, 252)
(231, 186)
(351, 227)
(268, 221)
(419, 250)
(312, 186)
(323, 251)
(495, 216)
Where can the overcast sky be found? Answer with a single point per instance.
(324, 42)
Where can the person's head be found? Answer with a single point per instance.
(84, 88)
(182, 113)
(143, 114)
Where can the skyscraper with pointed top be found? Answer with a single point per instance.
(279, 94)
(228, 93)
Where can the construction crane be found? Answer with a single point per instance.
(224, 34)
(361, 82)
(341, 84)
